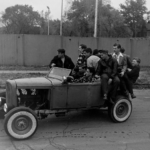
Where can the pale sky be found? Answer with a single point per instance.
(54, 5)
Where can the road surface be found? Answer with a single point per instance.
(89, 130)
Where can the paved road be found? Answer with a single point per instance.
(24, 71)
(89, 130)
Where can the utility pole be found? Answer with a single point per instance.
(61, 18)
(96, 16)
(48, 19)
(135, 29)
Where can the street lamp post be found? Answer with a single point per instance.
(96, 15)
(61, 18)
(48, 19)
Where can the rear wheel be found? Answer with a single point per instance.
(121, 110)
(20, 123)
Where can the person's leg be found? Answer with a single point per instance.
(123, 87)
(114, 87)
(129, 85)
(104, 84)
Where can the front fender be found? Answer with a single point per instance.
(11, 94)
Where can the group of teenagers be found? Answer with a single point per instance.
(114, 70)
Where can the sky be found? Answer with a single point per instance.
(54, 5)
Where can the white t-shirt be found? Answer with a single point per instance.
(92, 61)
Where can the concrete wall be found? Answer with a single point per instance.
(38, 50)
(141, 48)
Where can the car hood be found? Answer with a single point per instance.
(37, 82)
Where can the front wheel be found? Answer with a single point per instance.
(20, 123)
(121, 110)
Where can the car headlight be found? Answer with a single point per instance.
(5, 107)
(2, 101)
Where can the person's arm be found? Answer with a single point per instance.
(53, 62)
(129, 62)
(114, 69)
(71, 66)
(124, 68)
(99, 69)
(135, 71)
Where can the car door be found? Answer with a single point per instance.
(83, 95)
(59, 97)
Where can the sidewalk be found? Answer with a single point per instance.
(23, 71)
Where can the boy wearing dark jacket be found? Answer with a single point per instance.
(132, 76)
(62, 60)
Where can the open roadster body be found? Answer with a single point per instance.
(30, 99)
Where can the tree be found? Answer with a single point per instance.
(110, 23)
(21, 19)
(133, 12)
(79, 15)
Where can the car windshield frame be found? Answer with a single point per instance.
(58, 73)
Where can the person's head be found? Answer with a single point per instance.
(87, 52)
(82, 47)
(99, 53)
(104, 54)
(122, 50)
(136, 61)
(61, 53)
(95, 52)
(90, 71)
(116, 48)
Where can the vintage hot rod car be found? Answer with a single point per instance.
(30, 99)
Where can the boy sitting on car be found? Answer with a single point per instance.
(132, 76)
(89, 76)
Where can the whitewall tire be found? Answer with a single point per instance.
(121, 110)
(20, 123)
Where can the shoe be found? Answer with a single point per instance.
(126, 94)
(133, 96)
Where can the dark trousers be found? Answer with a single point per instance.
(126, 84)
(109, 89)
(104, 83)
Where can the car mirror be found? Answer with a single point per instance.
(67, 79)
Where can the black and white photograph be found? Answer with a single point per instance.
(75, 75)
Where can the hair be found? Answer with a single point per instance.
(115, 44)
(83, 46)
(95, 51)
(119, 46)
(91, 69)
(137, 59)
(122, 50)
(88, 50)
(103, 51)
(61, 51)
